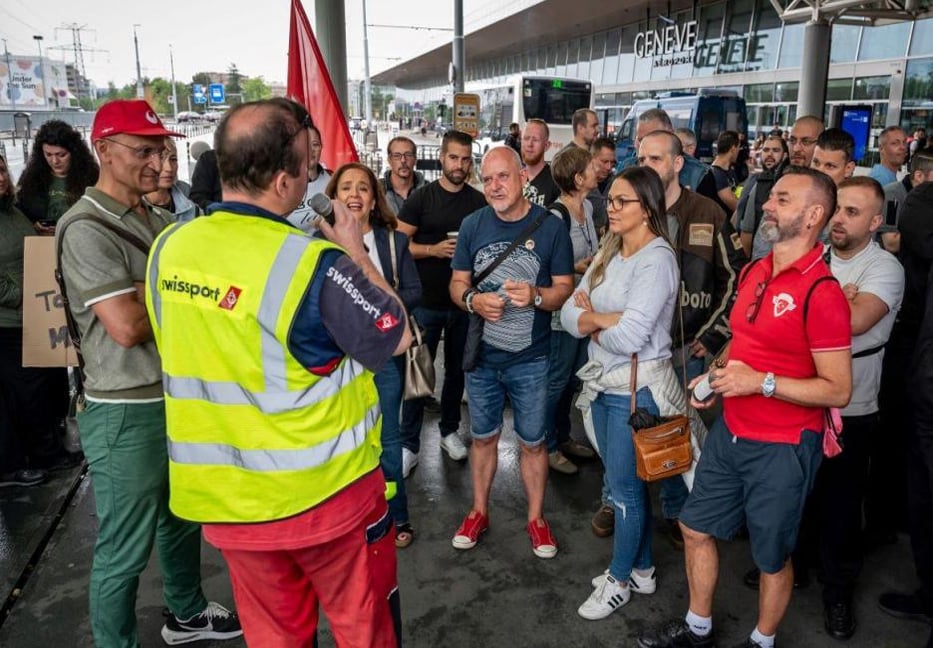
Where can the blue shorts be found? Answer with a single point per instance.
(764, 485)
(526, 385)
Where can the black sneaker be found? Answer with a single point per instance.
(839, 620)
(677, 634)
(215, 622)
(904, 606)
(23, 477)
(748, 643)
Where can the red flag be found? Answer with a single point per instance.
(309, 84)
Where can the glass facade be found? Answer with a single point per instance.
(738, 39)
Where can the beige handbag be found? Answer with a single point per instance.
(419, 365)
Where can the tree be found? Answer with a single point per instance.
(255, 89)
(234, 79)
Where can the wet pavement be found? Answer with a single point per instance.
(498, 594)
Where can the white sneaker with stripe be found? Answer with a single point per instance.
(605, 599)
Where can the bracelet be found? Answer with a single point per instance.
(469, 301)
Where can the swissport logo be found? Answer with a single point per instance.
(386, 322)
(231, 299)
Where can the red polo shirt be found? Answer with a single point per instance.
(780, 341)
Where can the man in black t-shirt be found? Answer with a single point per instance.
(431, 218)
(540, 188)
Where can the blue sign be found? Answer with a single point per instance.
(198, 91)
(217, 93)
(200, 99)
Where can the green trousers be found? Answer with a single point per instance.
(125, 446)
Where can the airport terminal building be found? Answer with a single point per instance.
(636, 49)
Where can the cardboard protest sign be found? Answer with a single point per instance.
(45, 333)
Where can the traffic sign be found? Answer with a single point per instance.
(217, 93)
(200, 99)
(466, 113)
(198, 91)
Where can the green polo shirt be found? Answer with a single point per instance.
(14, 228)
(98, 265)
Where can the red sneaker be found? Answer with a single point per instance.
(473, 525)
(542, 541)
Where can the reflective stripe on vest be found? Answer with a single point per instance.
(269, 402)
(219, 454)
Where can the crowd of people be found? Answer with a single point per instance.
(554, 286)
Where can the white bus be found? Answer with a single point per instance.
(527, 96)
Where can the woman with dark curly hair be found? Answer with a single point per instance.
(355, 185)
(57, 172)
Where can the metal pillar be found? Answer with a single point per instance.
(330, 28)
(171, 58)
(459, 58)
(139, 74)
(368, 84)
(811, 99)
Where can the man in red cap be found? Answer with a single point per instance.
(102, 244)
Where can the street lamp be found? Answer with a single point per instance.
(139, 74)
(45, 81)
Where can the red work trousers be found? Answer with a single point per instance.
(352, 577)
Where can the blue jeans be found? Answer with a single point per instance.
(389, 385)
(673, 489)
(526, 385)
(631, 544)
(567, 355)
(453, 323)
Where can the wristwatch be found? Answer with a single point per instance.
(468, 300)
(538, 298)
(768, 385)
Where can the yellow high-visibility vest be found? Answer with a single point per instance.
(253, 436)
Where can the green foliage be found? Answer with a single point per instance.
(255, 89)
(234, 80)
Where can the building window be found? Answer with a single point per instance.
(922, 41)
(887, 41)
(599, 54)
(573, 56)
(762, 48)
(560, 68)
(878, 87)
(613, 59)
(918, 84)
(736, 36)
(586, 54)
(838, 89)
(709, 32)
(786, 91)
(791, 46)
(759, 93)
(845, 43)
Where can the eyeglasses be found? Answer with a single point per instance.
(805, 141)
(752, 311)
(144, 152)
(618, 202)
(398, 157)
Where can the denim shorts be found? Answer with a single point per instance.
(764, 485)
(526, 385)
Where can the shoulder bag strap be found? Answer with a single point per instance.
(392, 256)
(528, 231)
(633, 378)
(129, 237)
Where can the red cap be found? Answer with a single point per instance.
(130, 116)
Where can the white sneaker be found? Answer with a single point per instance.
(409, 461)
(605, 599)
(454, 447)
(638, 584)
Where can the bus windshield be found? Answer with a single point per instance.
(554, 100)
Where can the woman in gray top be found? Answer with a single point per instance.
(573, 172)
(624, 303)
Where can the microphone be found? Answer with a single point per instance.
(323, 207)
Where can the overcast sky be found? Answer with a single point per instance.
(209, 36)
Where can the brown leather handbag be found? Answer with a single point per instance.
(662, 443)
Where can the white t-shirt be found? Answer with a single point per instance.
(369, 240)
(303, 214)
(877, 272)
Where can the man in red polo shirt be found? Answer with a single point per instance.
(787, 362)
